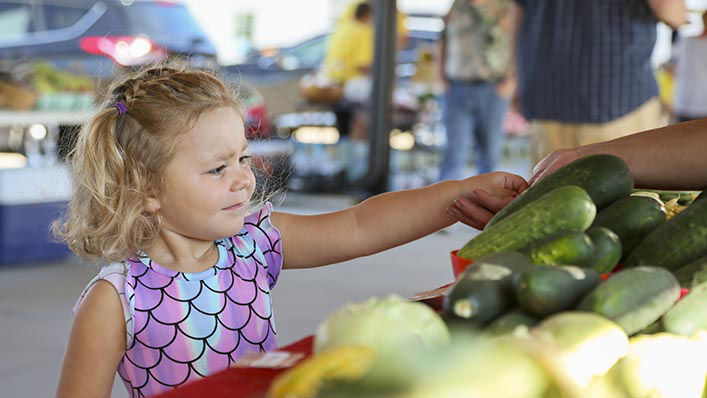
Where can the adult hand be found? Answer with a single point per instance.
(553, 162)
(487, 194)
(507, 87)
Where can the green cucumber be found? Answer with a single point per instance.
(563, 209)
(653, 328)
(583, 345)
(634, 298)
(699, 278)
(607, 249)
(502, 267)
(686, 274)
(702, 195)
(499, 266)
(474, 302)
(605, 178)
(514, 322)
(689, 315)
(546, 290)
(485, 289)
(631, 218)
(572, 247)
(677, 242)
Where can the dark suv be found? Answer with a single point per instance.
(100, 39)
(93, 37)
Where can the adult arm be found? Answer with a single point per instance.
(672, 12)
(96, 345)
(672, 157)
(391, 219)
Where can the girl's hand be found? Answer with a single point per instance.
(484, 195)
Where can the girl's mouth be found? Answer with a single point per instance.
(236, 206)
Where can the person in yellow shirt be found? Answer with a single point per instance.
(350, 48)
(348, 59)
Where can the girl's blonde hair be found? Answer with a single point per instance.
(118, 160)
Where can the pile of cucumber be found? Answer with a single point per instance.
(549, 250)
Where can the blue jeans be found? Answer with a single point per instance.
(472, 110)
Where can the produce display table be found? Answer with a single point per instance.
(241, 382)
(254, 381)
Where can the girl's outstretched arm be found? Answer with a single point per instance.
(391, 219)
(96, 345)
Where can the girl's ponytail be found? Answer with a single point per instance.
(107, 203)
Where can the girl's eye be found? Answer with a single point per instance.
(218, 171)
(245, 159)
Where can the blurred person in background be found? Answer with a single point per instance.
(584, 68)
(476, 67)
(348, 61)
(349, 51)
(665, 77)
(690, 98)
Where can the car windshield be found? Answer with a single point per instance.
(165, 22)
(15, 20)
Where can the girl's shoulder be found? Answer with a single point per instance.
(115, 274)
(259, 227)
(260, 238)
(259, 215)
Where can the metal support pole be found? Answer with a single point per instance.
(376, 180)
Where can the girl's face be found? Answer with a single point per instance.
(209, 183)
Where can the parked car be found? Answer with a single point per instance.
(102, 39)
(278, 72)
(309, 53)
(93, 37)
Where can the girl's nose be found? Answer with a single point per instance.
(241, 178)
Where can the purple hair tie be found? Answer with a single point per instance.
(122, 108)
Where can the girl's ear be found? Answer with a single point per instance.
(152, 205)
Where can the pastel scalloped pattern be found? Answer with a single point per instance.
(187, 326)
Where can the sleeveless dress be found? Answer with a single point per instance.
(183, 326)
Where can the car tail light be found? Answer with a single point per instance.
(124, 50)
(256, 122)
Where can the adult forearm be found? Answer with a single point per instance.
(672, 157)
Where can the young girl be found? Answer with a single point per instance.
(162, 188)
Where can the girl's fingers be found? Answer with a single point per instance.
(515, 183)
(457, 214)
(471, 213)
(487, 201)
